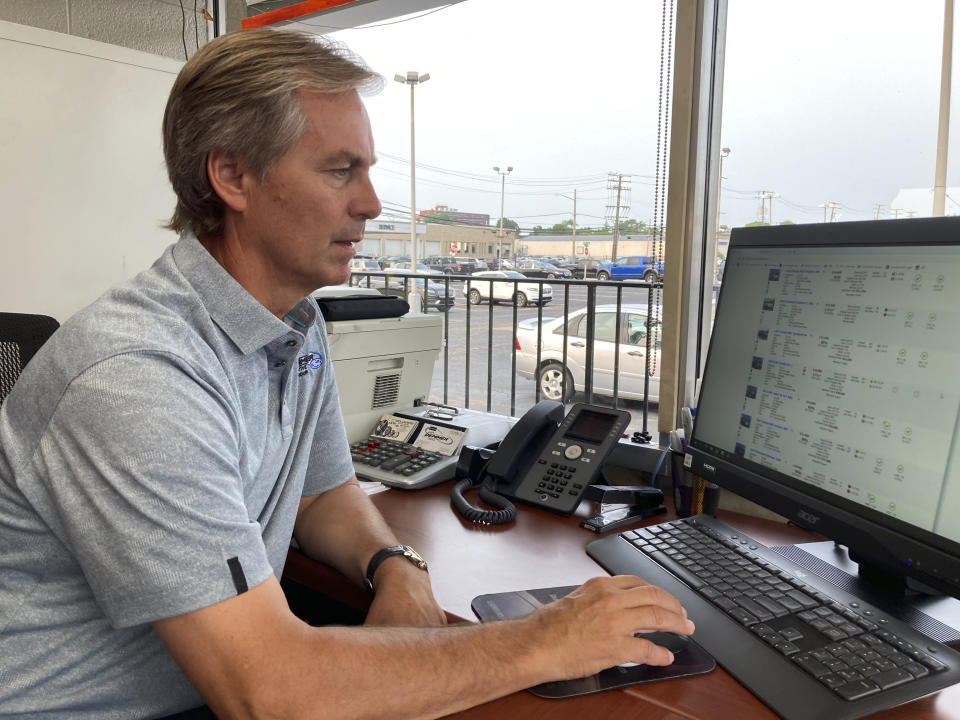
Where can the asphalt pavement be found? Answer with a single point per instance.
(475, 368)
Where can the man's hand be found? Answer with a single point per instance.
(593, 627)
(403, 596)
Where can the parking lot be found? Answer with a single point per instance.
(475, 369)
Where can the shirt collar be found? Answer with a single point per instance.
(240, 315)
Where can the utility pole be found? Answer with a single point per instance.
(503, 185)
(943, 131)
(619, 205)
(832, 205)
(573, 247)
(763, 195)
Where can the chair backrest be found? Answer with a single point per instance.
(21, 335)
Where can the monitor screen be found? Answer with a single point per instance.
(830, 393)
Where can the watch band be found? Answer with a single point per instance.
(378, 557)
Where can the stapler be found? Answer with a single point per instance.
(642, 501)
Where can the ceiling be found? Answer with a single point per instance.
(324, 16)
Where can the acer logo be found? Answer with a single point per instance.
(808, 517)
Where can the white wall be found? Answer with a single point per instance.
(85, 191)
(160, 27)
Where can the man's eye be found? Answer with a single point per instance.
(341, 172)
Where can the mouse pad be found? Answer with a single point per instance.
(689, 658)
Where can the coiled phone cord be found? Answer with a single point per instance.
(505, 511)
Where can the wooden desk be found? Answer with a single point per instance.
(544, 550)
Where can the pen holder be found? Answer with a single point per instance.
(692, 495)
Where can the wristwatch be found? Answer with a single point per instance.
(378, 557)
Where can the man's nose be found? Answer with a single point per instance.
(367, 204)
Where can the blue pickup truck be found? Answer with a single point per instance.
(632, 267)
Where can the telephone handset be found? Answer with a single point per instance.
(546, 460)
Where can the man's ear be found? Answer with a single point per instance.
(228, 178)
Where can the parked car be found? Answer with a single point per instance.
(632, 267)
(478, 264)
(583, 267)
(362, 265)
(404, 266)
(450, 264)
(390, 261)
(522, 294)
(540, 268)
(436, 295)
(559, 382)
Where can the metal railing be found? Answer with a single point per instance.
(393, 282)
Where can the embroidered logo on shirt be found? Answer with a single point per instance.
(310, 361)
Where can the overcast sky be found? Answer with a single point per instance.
(823, 101)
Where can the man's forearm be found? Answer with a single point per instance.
(418, 673)
(342, 528)
(249, 657)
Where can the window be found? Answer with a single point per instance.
(545, 194)
(825, 121)
(636, 326)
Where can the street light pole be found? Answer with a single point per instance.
(412, 79)
(573, 246)
(723, 153)
(503, 185)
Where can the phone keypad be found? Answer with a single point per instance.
(558, 479)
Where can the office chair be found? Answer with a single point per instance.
(21, 335)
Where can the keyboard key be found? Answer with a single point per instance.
(787, 648)
(892, 678)
(831, 681)
(791, 634)
(742, 616)
(857, 689)
(805, 600)
(811, 664)
(916, 669)
(934, 665)
(677, 569)
(775, 608)
(757, 610)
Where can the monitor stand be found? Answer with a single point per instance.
(936, 616)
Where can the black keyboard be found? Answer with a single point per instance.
(809, 650)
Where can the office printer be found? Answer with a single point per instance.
(381, 364)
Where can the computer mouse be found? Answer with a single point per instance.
(674, 643)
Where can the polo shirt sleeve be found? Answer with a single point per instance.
(138, 474)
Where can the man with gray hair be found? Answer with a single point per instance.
(159, 452)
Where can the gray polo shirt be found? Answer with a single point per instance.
(152, 457)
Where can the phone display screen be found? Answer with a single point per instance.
(591, 426)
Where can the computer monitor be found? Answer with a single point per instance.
(831, 388)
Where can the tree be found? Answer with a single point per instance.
(509, 224)
(629, 226)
